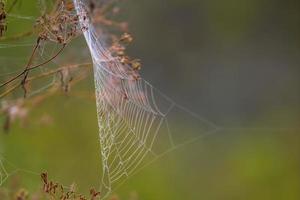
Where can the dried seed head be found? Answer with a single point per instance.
(22, 194)
(60, 26)
(136, 64)
(126, 38)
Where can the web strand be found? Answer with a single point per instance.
(130, 114)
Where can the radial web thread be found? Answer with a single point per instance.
(132, 114)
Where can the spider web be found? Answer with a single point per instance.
(9, 169)
(13, 64)
(3, 172)
(132, 115)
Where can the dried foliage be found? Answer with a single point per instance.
(59, 25)
(50, 190)
(55, 190)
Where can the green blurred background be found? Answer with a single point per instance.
(235, 62)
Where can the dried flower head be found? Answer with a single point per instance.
(61, 25)
(58, 191)
(22, 194)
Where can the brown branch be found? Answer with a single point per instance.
(53, 91)
(9, 91)
(27, 69)
(51, 72)
(45, 74)
(12, 6)
(49, 60)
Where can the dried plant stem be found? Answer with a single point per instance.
(53, 91)
(51, 72)
(49, 60)
(48, 73)
(28, 68)
(12, 6)
(9, 90)
(26, 71)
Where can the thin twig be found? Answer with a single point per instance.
(58, 70)
(8, 91)
(12, 6)
(31, 68)
(26, 72)
(27, 66)
(49, 60)
(42, 75)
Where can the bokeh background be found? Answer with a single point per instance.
(234, 62)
